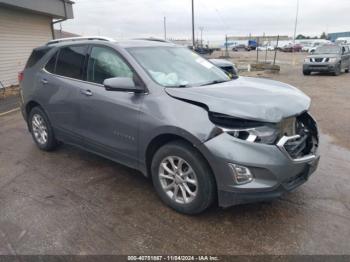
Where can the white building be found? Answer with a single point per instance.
(25, 25)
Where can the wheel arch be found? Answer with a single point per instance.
(28, 108)
(163, 138)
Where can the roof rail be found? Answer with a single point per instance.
(153, 39)
(79, 38)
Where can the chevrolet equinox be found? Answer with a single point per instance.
(164, 110)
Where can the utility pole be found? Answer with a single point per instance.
(201, 28)
(164, 27)
(295, 31)
(193, 37)
(296, 22)
(226, 47)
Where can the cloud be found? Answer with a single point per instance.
(143, 18)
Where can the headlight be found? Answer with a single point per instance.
(248, 130)
(333, 59)
(306, 60)
(260, 134)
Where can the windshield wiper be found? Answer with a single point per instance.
(179, 86)
(214, 82)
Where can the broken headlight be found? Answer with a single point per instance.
(260, 134)
(248, 130)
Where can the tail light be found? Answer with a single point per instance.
(20, 77)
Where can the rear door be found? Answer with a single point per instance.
(109, 119)
(62, 81)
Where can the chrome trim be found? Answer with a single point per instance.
(284, 140)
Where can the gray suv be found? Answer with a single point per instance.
(328, 59)
(201, 137)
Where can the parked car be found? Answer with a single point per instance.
(227, 66)
(291, 48)
(328, 59)
(268, 48)
(204, 50)
(343, 41)
(173, 115)
(241, 48)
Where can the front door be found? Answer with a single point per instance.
(109, 119)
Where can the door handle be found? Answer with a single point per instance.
(86, 92)
(44, 81)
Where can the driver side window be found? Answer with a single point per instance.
(105, 63)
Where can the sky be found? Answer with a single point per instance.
(122, 19)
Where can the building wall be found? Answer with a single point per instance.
(20, 32)
(334, 36)
(53, 8)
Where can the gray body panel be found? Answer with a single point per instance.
(248, 98)
(121, 125)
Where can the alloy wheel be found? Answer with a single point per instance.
(39, 129)
(178, 179)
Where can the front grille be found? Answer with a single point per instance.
(306, 140)
(320, 60)
(296, 147)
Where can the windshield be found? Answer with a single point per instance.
(177, 66)
(327, 50)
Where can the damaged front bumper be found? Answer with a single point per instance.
(274, 168)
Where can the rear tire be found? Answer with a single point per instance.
(172, 166)
(347, 70)
(41, 130)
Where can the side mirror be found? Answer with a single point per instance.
(124, 84)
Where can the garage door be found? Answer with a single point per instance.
(20, 32)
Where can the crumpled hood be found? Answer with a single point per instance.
(248, 98)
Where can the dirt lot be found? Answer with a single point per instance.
(72, 202)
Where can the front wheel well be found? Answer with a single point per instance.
(157, 143)
(161, 140)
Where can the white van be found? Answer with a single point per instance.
(343, 40)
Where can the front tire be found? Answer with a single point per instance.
(337, 70)
(182, 178)
(41, 130)
(306, 73)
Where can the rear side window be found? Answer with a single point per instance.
(70, 61)
(36, 55)
(51, 65)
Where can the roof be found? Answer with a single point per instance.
(143, 43)
(98, 39)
